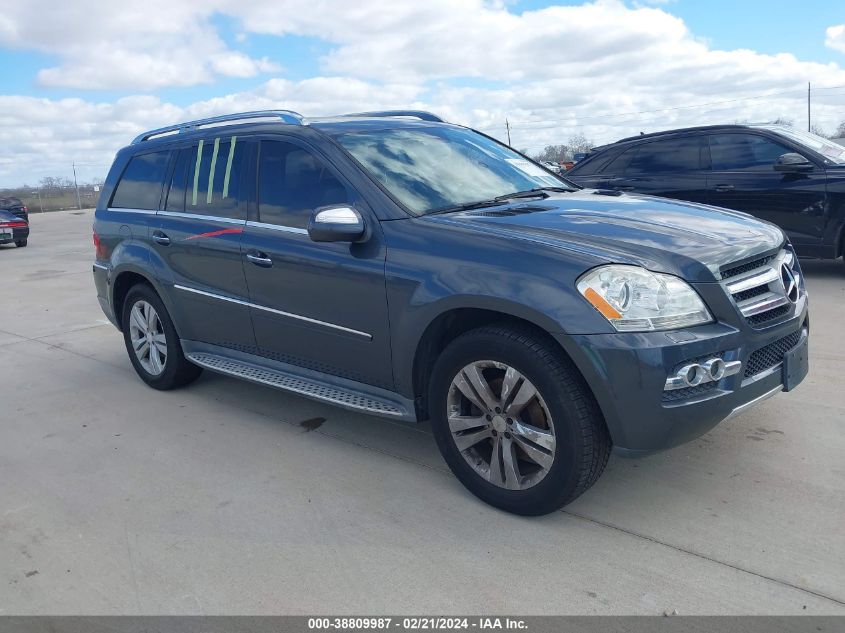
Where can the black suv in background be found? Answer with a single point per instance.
(398, 265)
(791, 178)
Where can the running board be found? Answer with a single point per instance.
(302, 385)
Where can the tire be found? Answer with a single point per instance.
(162, 365)
(574, 429)
(20, 243)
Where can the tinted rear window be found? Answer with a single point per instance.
(213, 178)
(671, 155)
(140, 185)
(591, 165)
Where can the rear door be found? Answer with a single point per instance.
(743, 178)
(671, 168)
(321, 306)
(131, 211)
(197, 240)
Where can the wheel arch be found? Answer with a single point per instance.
(124, 280)
(450, 324)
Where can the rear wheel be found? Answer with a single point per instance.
(515, 421)
(152, 343)
(20, 243)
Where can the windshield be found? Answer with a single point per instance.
(432, 168)
(834, 152)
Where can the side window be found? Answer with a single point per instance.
(292, 182)
(178, 184)
(736, 152)
(213, 178)
(140, 185)
(618, 165)
(590, 167)
(669, 156)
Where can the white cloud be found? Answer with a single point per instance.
(43, 137)
(603, 69)
(836, 38)
(133, 45)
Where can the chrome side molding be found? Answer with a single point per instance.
(299, 317)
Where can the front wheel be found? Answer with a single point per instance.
(515, 421)
(152, 343)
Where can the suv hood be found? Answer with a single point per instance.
(690, 240)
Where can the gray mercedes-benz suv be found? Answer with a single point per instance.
(395, 264)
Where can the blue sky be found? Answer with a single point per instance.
(77, 83)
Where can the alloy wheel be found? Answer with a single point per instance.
(148, 339)
(501, 425)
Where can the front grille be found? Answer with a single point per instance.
(770, 355)
(674, 395)
(750, 294)
(758, 291)
(744, 268)
(771, 315)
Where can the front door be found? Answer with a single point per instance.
(321, 306)
(743, 178)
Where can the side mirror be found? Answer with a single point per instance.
(336, 224)
(792, 163)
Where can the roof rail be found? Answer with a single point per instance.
(286, 116)
(422, 115)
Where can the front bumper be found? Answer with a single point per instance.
(628, 372)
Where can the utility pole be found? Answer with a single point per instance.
(76, 186)
(809, 126)
(508, 127)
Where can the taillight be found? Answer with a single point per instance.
(99, 251)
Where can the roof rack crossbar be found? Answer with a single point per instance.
(422, 115)
(286, 116)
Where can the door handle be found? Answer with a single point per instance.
(259, 259)
(724, 188)
(161, 238)
(623, 187)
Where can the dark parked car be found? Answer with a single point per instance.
(791, 178)
(15, 206)
(13, 229)
(394, 264)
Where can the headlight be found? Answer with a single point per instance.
(634, 299)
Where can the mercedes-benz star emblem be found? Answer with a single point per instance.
(790, 288)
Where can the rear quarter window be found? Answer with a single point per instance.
(140, 185)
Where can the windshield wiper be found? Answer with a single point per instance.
(533, 193)
(467, 206)
(538, 192)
